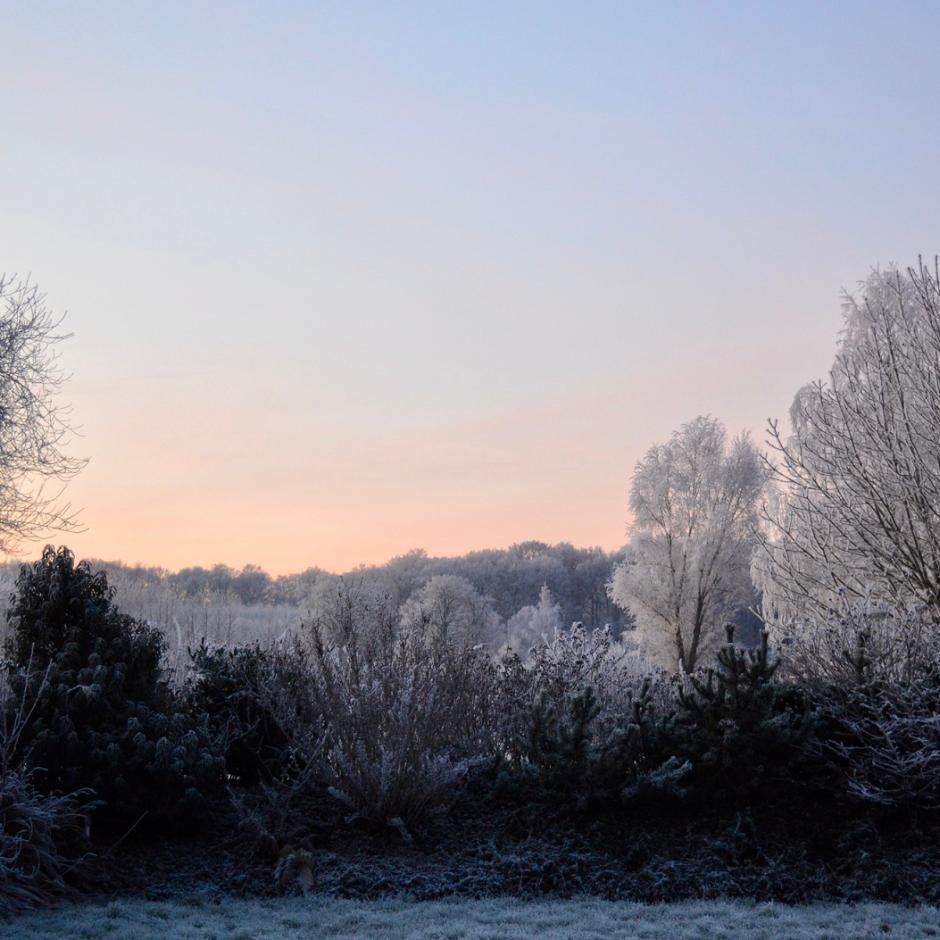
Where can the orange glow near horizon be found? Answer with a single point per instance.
(161, 490)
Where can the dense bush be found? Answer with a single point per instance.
(584, 763)
(405, 714)
(233, 688)
(741, 730)
(41, 835)
(886, 738)
(275, 734)
(861, 642)
(581, 723)
(380, 722)
(103, 717)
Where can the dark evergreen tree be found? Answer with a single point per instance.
(741, 730)
(583, 762)
(104, 717)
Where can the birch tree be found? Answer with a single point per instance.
(857, 511)
(694, 502)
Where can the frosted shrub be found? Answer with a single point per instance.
(581, 720)
(867, 640)
(405, 716)
(35, 831)
(579, 658)
(38, 832)
(888, 740)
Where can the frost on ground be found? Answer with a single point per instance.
(495, 918)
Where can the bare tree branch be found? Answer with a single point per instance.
(34, 426)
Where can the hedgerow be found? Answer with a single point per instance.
(384, 730)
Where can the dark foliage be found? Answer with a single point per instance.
(743, 733)
(103, 718)
(885, 739)
(232, 688)
(573, 759)
(573, 772)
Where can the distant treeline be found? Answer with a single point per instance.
(511, 577)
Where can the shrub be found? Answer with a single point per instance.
(574, 660)
(40, 834)
(384, 721)
(887, 740)
(406, 715)
(103, 718)
(741, 730)
(284, 730)
(582, 723)
(234, 690)
(864, 641)
(583, 762)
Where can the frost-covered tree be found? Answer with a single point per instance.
(857, 511)
(534, 623)
(694, 502)
(450, 607)
(344, 608)
(34, 429)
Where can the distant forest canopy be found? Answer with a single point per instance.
(512, 578)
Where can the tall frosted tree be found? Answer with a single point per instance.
(694, 502)
(34, 428)
(857, 509)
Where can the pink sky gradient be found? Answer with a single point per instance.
(174, 491)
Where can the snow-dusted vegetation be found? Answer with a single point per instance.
(694, 502)
(496, 919)
(859, 476)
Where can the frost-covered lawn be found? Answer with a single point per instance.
(497, 918)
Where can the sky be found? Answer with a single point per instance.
(348, 279)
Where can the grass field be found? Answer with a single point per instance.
(452, 920)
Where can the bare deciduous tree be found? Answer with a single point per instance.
(34, 427)
(694, 502)
(858, 481)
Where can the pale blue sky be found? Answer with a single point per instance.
(350, 278)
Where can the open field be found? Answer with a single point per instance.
(494, 919)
